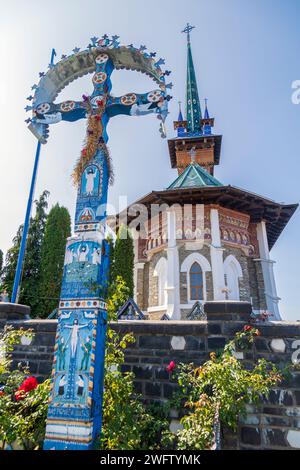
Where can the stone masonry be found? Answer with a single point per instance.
(275, 424)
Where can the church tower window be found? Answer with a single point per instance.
(196, 282)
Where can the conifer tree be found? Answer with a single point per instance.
(57, 229)
(1, 262)
(123, 259)
(30, 275)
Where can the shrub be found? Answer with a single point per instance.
(23, 402)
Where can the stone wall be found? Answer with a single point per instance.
(274, 424)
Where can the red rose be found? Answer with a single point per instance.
(1, 393)
(83, 152)
(247, 328)
(171, 367)
(97, 118)
(29, 384)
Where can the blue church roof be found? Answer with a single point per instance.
(194, 176)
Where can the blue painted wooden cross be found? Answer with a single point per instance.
(74, 415)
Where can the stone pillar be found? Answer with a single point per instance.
(172, 289)
(216, 254)
(267, 264)
(139, 284)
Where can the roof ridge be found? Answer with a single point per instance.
(203, 176)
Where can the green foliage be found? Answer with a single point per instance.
(1, 262)
(8, 272)
(22, 422)
(118, 293)
(8, 339)
(111, 259)
(57, 229)
(123, 259)
(221, 387)
(117, 296)
(127, 423)
(30, 276)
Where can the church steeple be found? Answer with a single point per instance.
(195, 130)
(192, 105)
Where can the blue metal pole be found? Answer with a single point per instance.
(15, 292)
(18, 274)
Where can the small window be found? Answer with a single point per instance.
(196, 282)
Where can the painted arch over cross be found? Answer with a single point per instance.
(102, 57)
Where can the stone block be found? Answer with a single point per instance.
(228, 306)
(153, 389)
(178, 342)
(215, 342)
(169, 390)
(280, 397)
(138, 386)
(297, 397)
(143, 372)
(275, 421)
(261, 345)
(274, 437)
(194, 343)
(278, 345)
(214, 328)
(250, 435)
(175, 425)
(10, 311)
(161, 373)
(45, 368)
(293, 438)
(155, 342)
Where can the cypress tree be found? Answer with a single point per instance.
(57, 229)
(31, 266)
(123, 259)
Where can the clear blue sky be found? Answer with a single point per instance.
(246, 55)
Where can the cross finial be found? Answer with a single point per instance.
(187, 31)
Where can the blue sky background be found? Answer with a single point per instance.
(246, 57)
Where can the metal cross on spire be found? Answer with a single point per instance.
(187, 31)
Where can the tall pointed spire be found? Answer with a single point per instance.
(193, 108)
(206, 113)
(180, 117)
(194, 131)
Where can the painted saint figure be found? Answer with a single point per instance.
(61, 353)
(61, 385)
(82, 253)
(90, 175)
(86, 215)
(96, 256)
(86, 348)
(80, 385)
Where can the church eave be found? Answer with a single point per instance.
(259, 208)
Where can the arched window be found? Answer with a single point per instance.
(196, 282)
(233, 272)
(195, 266)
